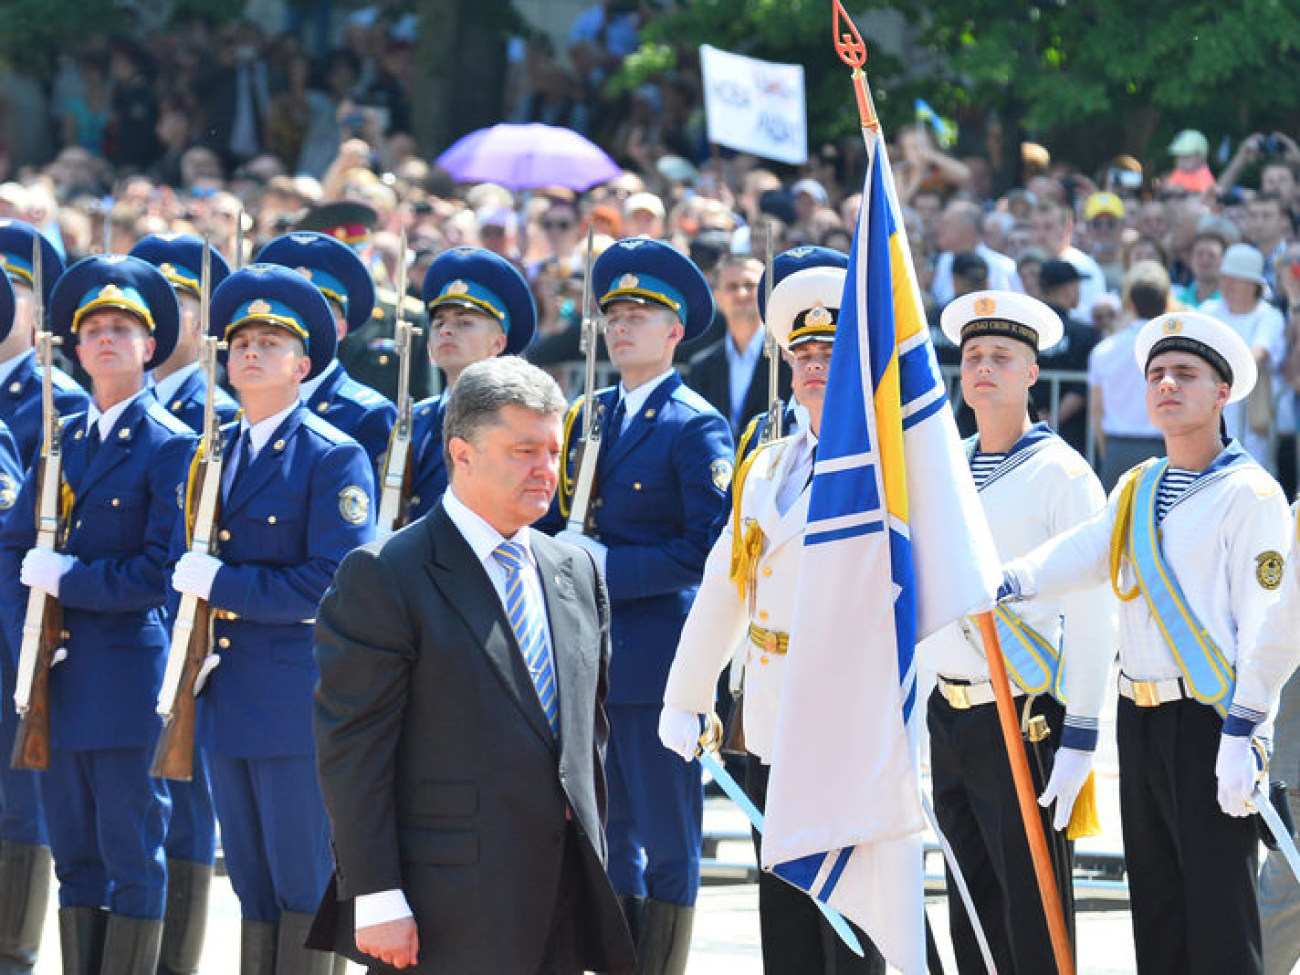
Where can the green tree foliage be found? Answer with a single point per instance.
(1126, 71)
(789, 31)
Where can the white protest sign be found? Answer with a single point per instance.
(755, 106)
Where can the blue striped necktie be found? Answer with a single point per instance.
(529, 624)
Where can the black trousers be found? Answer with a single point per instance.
(975, 803)
(1191, 868)
(796, 938)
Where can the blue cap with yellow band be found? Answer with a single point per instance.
(791, 262)
(16, 239)
(475, 278)
(651, 272)
(268, 294)
(122, 282)
(180, 259)
(332, 266)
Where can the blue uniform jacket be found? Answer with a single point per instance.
(20, 403)
(357, 410)
(659, 503)
(11, 482)
(125, 507)
(428, 467)
(186, 404)
(304, 503)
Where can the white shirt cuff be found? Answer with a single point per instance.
(378, 908)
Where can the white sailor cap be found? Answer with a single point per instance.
(1007, 313)
(1203, 336)
(805, 306)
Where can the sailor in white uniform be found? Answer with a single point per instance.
(1192, 546)
(1033, 486)
(747, 597)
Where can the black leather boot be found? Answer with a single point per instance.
(665, 940)
(294, 959)
(186, 920)
(81, 939)
(131, 946)
(24, 894)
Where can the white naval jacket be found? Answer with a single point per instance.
(720, 617)
(1042, 489)
(1276, 651)
(1217, 539)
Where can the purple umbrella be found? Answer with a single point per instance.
(521, 157)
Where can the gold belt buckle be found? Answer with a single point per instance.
(958, 696)
(771, 642)
(1146, 694)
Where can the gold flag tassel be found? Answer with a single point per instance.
(1084, 818)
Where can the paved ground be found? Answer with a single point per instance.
(726, 932)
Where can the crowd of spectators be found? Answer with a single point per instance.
(218, 126)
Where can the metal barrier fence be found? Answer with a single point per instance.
(570, 374)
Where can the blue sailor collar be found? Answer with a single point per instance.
(1031, 442)
(1232, 456)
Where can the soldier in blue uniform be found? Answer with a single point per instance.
(24, 845)
(297, 497)
(479, 307)
(20, 376)
(179, 386)
(658, 505)
(336, 271)
(178, 382)
(124, 467)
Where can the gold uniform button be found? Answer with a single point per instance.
(116, 502)
(224, 534)
(636, 485)
(15, 387)
(78, 435)
(270, 519)
(383, 360)
(278, 445)
(64, 635)
(224, 643)
(123, 434)
(649, 414)
(762, 614)
(322, 407)
(78, 522)
(415, 500)
(762, 660)
(176, 404)
(767, 571)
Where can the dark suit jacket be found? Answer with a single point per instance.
(439, 770)
(710, 376)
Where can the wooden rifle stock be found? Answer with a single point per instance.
(173, 756)
(43, 625)
(32, 740)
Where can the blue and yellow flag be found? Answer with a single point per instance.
(896, 537)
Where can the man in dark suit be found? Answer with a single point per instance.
(732, 373)
(459, 718)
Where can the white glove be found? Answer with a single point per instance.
(1069, 772)
(680, 731)
(1236, 769)
(43, 568)
(598, 552)
(194, 574)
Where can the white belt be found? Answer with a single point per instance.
(1152, 693)
(962, 695)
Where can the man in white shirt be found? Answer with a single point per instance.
(1121, 427)
(960, 231)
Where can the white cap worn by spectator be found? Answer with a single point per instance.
(812, 188)
(1245, 262)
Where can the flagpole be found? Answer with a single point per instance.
(1029, 811)
(852, 50)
